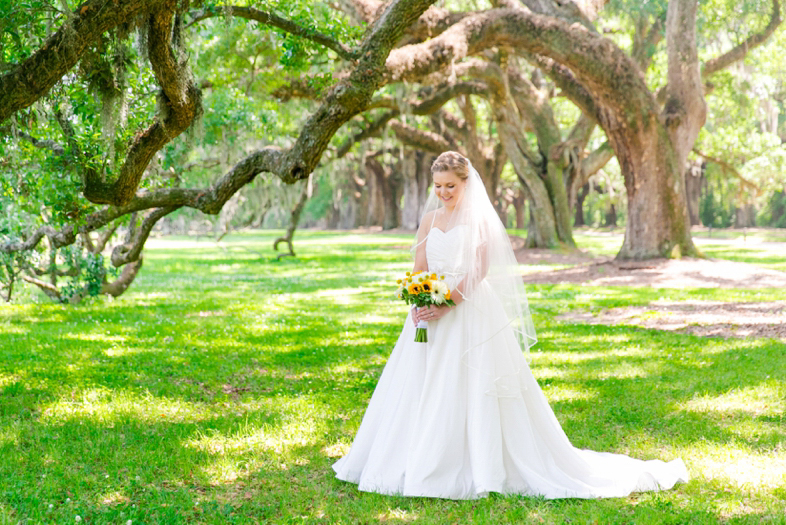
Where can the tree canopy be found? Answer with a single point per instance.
(117, 115)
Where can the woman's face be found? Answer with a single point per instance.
(449, 188)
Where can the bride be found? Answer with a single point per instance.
(461, 415)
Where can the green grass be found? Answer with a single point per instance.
(762, 247)
(223, 385)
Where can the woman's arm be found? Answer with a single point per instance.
(464, 287)
(421, 263)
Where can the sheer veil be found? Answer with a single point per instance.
(486, 275)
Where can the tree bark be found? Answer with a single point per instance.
(580, 196)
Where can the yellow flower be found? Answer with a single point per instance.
(407, 274)
(414, 289)
(398, 281)
(447, 295)
(442, 277)
(433, 276)
(427, 286)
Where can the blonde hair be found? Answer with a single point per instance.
(452, 161)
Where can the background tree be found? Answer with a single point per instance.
(95, 103)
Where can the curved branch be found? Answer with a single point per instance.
(372, 129)
(430, 99)
(272, 19)
(129, 252)
(595, 62)
(121, 284)
(728, 168)
(183, 101)
(739, 52)
(353, 94)
(595, 161)
(419, 139)
(51, 145)
(209, 200)
(34, 77)
(425, 107)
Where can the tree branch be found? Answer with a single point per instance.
(208, 200)
(645, 40)
(419, 139)
(34, 77)
(353, 94)
(372, 129)
(272, 19)
(51, 145)
(728, 168)
(130, 252)
(121, 284)
(182, 100)
(739, 52)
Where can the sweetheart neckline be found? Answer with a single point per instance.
(442, 231)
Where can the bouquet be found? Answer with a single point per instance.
(423, 289)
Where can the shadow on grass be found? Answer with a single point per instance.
(230, 410)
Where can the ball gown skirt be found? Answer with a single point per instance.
(434, 429)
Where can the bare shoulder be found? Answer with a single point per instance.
(427, 221)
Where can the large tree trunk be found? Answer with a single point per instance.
(654, 156)
(580, 196)
(409, 210)
(520, 205)
(542, 231)
(657, 223)
(694, 176)
(611, 216)
(392, 194)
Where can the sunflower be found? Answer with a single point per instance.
(414, 288)
(427, 286)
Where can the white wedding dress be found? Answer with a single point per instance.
(433, 427)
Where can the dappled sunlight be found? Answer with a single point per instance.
(740, 468)
(398, 515)
(102, 337)
(9, 379)
(336, 450)
(603, 355)
(101, 405)
(268, 446)
(9, 436)
(358, 366)
(9, 329)
(628, 371)
(114, 498)
(565, 393)
(768, 398)
(337, 296)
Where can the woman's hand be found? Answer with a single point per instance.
(430, 313)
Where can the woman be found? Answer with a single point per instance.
(461, 415)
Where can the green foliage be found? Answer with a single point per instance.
(223, 386)
(774, 212)
(713, 211)
(88, 272)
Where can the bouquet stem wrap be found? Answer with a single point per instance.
(421, 332)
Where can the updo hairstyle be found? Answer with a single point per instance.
(452, 161)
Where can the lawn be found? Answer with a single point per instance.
(223, 385)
